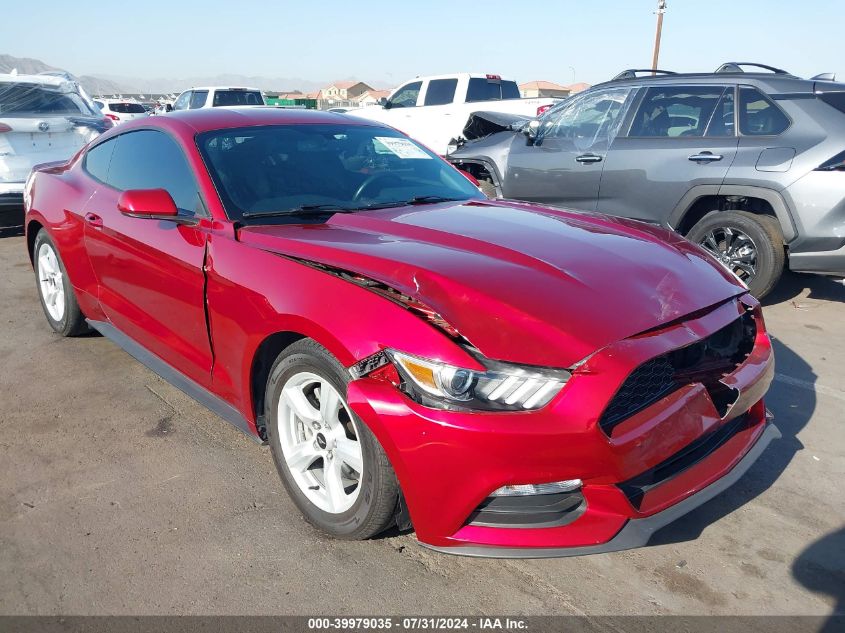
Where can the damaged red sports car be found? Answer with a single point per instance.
(508, 379)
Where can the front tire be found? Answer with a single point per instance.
(331, 464)
(55, 290)
(749, 245)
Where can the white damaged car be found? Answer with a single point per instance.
(43, 118)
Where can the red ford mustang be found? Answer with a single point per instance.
(508, 379)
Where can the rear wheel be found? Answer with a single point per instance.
(330, 463)
(747, 244)
(54, 289)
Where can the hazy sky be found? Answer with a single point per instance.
(390, 41)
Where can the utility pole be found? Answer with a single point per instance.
(661, 9)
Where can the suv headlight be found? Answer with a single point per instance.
(502, 386)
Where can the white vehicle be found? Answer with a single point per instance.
(218, 96)
(43, 118)
(118, 110)
(434, 110)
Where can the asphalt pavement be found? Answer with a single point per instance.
(121, 495)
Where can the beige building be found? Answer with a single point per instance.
(344, 90)
(534, 89)
(372, 97)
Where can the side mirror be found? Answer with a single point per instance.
(168, 107)
(386, 104)
(382, 101)
(531, 131)
(147, 203)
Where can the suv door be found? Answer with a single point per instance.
(563, 166)
(149, 272)
(680, 137)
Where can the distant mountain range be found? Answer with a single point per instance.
(28, 66)
(117, 84)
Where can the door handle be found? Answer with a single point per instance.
(94, 220)
(705, 157)
(588, 158)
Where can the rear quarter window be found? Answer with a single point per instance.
(834, 100)
(758, 115)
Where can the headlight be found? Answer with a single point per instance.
(501, 387)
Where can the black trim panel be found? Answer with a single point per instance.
(695, 452)
(213, 403)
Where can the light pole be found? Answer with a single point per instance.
(661, 9)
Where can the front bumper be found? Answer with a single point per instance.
(636, 532)
(449, 462)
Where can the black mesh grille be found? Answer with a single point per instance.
(706, 361)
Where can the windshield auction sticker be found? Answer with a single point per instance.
(402, 147)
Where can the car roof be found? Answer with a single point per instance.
(46, 80)
(457, 76)
(770, 82)
(207, 119)
(222, 88)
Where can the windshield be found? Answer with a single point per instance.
(21, 99)
(237, 98)
(352, 167)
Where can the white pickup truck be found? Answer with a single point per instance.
(434, 110)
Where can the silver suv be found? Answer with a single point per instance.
(748, 164)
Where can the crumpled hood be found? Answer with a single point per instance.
(522, 283)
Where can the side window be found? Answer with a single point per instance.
(722, 121)
(671, 111)
(406, 96)
(758, 115)
(591, 120)
(97, 160)
(182, 102)
(198, 99)
(149, 159)
(440, 91)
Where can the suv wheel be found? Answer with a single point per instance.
(749, 245)
(331, 464)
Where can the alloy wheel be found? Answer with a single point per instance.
(320, 442)
(51, 282)
(733, 249)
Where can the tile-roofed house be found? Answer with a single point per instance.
(534, 89)
(344, 90)
(372, 97)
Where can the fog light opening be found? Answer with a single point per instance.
(525, 490)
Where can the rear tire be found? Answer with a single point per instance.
(748, 244)
(55, 290)
(333, 467)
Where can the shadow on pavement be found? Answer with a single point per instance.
(821, 569)
(792, 285)
(793, 408)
